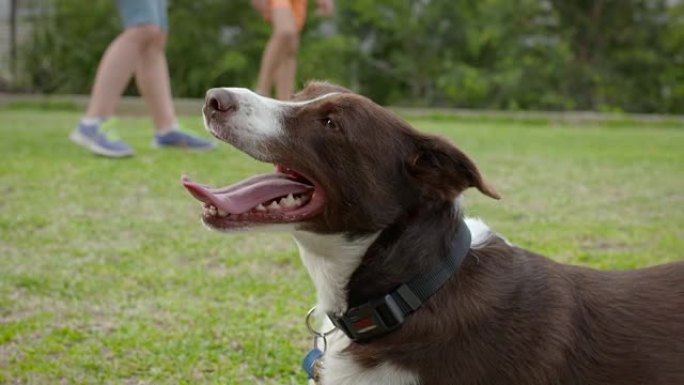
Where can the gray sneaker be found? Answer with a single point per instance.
(179, 139)
(100, 141)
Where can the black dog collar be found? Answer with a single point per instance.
(383, 315)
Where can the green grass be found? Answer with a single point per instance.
(107, 276)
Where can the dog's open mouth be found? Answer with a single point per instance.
(282, 197)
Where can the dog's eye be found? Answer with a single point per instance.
(329, 124)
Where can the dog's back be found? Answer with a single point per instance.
(628, 325)
(556, 323)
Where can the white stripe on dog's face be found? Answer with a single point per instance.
(256, 114)
(256, 119)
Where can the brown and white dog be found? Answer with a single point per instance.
(372, 203)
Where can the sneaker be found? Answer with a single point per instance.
(100, 141)
(180, 139)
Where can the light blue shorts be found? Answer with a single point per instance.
(140, 12)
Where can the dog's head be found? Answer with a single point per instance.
(343, 164)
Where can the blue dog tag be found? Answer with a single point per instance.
(309, 363)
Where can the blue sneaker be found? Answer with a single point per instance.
(99, 140)
(180, 139)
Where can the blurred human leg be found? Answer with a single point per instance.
(113, 74)
(152, 80)
(116, 69)
(281, 50)
(285, 76)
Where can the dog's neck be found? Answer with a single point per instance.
(348, 271)
(413, 245)
(331, 259)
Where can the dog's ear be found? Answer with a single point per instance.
(444, 170)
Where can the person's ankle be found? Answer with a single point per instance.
(92, 120)
(163, 131)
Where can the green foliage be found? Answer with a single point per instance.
(525, 54)
(213, 43)
(67, 44)
(619, 52)
(672, 76)
(331, 58)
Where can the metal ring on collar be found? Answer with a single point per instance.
(314, 331)
(316, 341)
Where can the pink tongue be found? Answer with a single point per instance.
(246, 195)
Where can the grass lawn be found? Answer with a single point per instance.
(107, 276)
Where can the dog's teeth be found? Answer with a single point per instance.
(222, 213)
(211, 210)
(261, 208)
(288, 202)
(274, 206)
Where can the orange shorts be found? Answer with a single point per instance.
(297, 7)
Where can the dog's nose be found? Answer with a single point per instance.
(221, 100)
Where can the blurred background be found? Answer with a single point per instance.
(598, 55)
